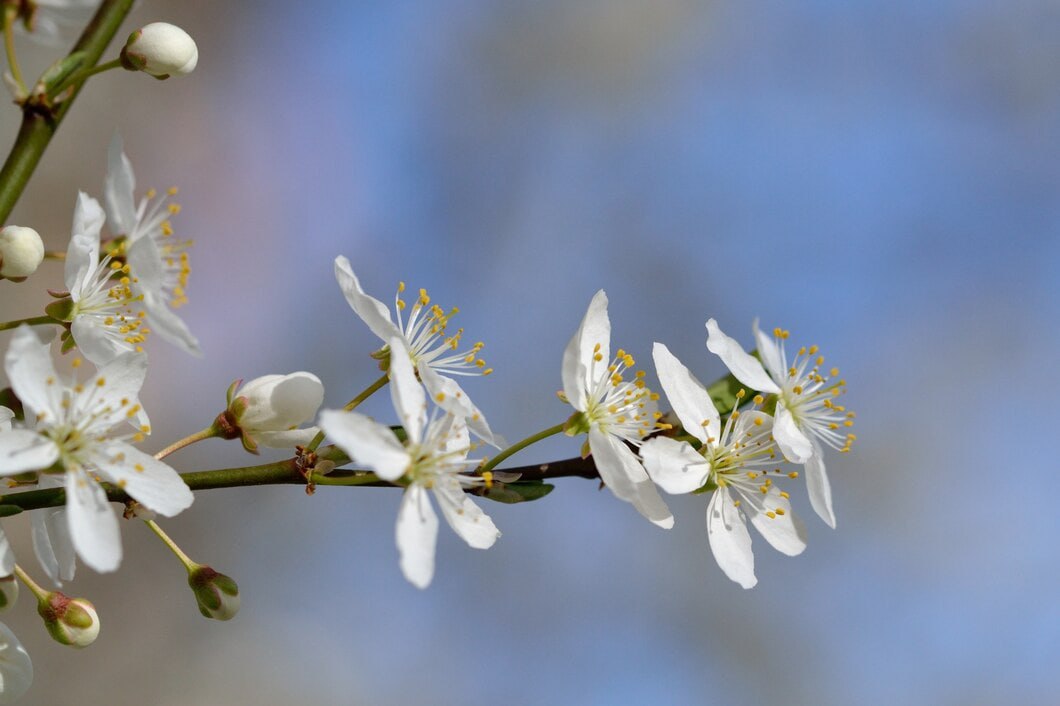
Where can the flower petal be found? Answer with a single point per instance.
(368, 442)
(792, 442)
(84, 241)
(25, 450)
(372, 311)
(16, 669)
(820, 490)
(448, 395)
(742, 365)
(285, 439)
(29, 368)
(687, 396)
(730, 541)
(784, 531)
(117, 388)
(769, 353)
(93, 525)
(152, 483)
(119, 187)
(280, 402)
(164, 322)
(465, 517)
(52, 544)
(417, 534)
(674, 465)
(95, 340)
(580, 369)
(410, 401)
(7, 557)
(621, 471)
(650, 505)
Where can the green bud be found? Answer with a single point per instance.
(216, 594)
(70, 621)
(8, 592)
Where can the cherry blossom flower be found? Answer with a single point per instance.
(435, 353)
(733, 461)
(80, 428)
(269, 409)
(432, 459)
(806, 414)
(614, 412)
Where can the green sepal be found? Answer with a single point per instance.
(710, 486)
(231, 392)
(68, 342)
(577, 423)
(57, 74)
(400, 433)
(9, 510)
(61, 309)
(518, 492)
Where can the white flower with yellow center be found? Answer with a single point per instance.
(737, 462)
(614, 412)
(435, 353)
(433, 458)
(806, 414)
(158, 260)
(79, 427)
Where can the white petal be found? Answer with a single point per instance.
(88, 220)
(465, 517)
(368, 443)
(417, 534)
(117, 395)
(792, 442)
(621, 471)
(25, 450)
(729, 540)
(147, 480)
(456, 441)
(285, 439)
(93, 525)
(578, 358)
(29, 368)
(280, 402)
(6, 415)
(372, 311)
(448, 395)
(7, 557)
(820, 490)
(769, 353)
(674, 465)
(53, 546)
(649, 504)
(410, 401)
(92, 339)
(167, 324)
(82, 259)
(784, 531)
(741, 364)
(119, 188)
(687, 396)
(16, 669)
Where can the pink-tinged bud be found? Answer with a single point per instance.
(70, 621)
(8, 592)
(216, 594)
(21, 252)
(160, 49)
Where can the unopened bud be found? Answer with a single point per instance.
(21, 252)
(70, 621)
(160, 49)
(269, 410)
(8, 592)
(216, 594)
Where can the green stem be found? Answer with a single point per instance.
(350, 406)
(38, 127)
(10, 12)
(82, 76)
(36, 590)
(184, 558)
(32, 321)
(207, 433)
(491, 463)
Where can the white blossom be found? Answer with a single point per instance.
(272, 407)
(80, 428)
(432, 459)
(806, 414)
(435, 353)
(735, 461)
(160, 49)
(21, 251)
(615, 412)
(16, 669)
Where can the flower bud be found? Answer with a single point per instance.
(16, 669)
(160, 49)
(8, 592)
(269, 409)
(216, 594)
(70, 621)
(21, 252)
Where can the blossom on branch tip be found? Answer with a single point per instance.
(434, 353)
(21, 252)
(16, 669)
(614, 412)
(269, 409)
(433, 458)
(806, 413)
(160, 49)
(734, 461)
(79, 431)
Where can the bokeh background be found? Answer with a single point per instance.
(879, 177)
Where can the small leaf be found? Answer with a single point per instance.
(521, 492)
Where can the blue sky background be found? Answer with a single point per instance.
(879, 178)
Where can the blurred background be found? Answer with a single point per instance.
(880, 178)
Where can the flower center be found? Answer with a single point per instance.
(107, 298)
(620, 407)
(426, 331)
(809, 392)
